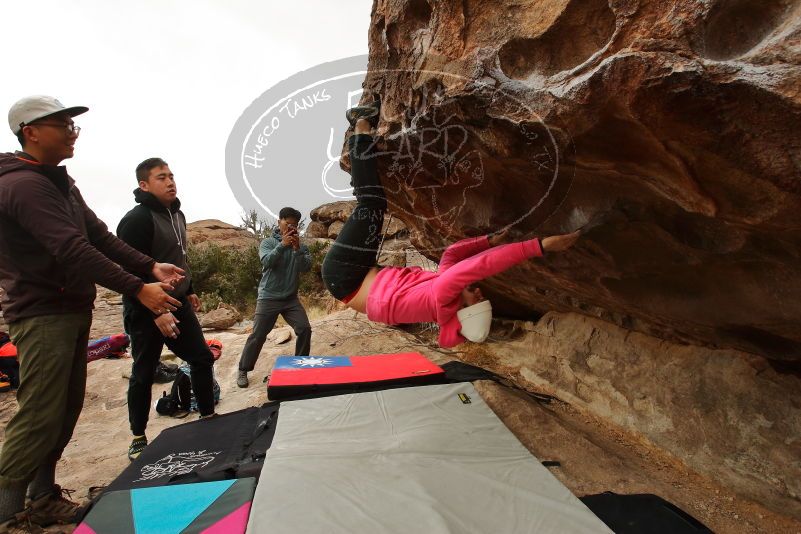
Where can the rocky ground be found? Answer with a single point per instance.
(594, 455)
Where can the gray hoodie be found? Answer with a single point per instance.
(281, 267)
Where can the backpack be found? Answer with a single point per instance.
(179, 399)
(185, 370)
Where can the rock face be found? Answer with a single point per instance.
(220, 233)
(723, 412)
(675, 127)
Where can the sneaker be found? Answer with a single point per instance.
(242, 379)
(54, 507)
(20, 524)
(137, 446)
(370, 112)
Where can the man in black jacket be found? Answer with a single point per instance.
(157, 227)
(54, 249)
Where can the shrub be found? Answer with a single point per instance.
(311, 282)
(222, 274)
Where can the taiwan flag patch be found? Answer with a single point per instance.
(296, 376)
(311, 362)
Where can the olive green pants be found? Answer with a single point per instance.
(52, 365)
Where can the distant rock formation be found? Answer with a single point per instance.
(397, 251)
(207, 231)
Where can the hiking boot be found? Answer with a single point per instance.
(54, 507)
(242, 379)
(20, 524)
(371, 112)
(137, 446)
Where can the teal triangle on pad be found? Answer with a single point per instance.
(170, 509)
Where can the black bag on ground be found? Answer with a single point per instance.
(223, 447)
(165, 373)
(641, 514)
(179, 398)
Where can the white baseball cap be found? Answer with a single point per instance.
(476, 321)
(35, 107)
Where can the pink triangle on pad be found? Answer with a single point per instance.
(236, 521)
(83, 528)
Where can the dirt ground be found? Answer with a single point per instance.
(593, 456)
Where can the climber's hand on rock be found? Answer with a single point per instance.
(498, 238)
(558, 243)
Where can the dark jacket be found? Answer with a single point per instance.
(281, 267)
(53, 248)
(158, 232)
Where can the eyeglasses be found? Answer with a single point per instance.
(70, 127)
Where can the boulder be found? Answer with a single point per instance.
(393, 253)
(394, 227)
(415, 259)
(724, 413)
(334, 211)
(334, 228)
(279, 336)
(201, 233)
(222, 318)
(674, 128)
(670, 132)
(316, 229)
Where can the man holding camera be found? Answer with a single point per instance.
(283, 258)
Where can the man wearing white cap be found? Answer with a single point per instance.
(54, 250)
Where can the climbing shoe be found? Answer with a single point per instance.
(137, 446)
(371, 112)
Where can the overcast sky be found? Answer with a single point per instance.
(165, 78)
